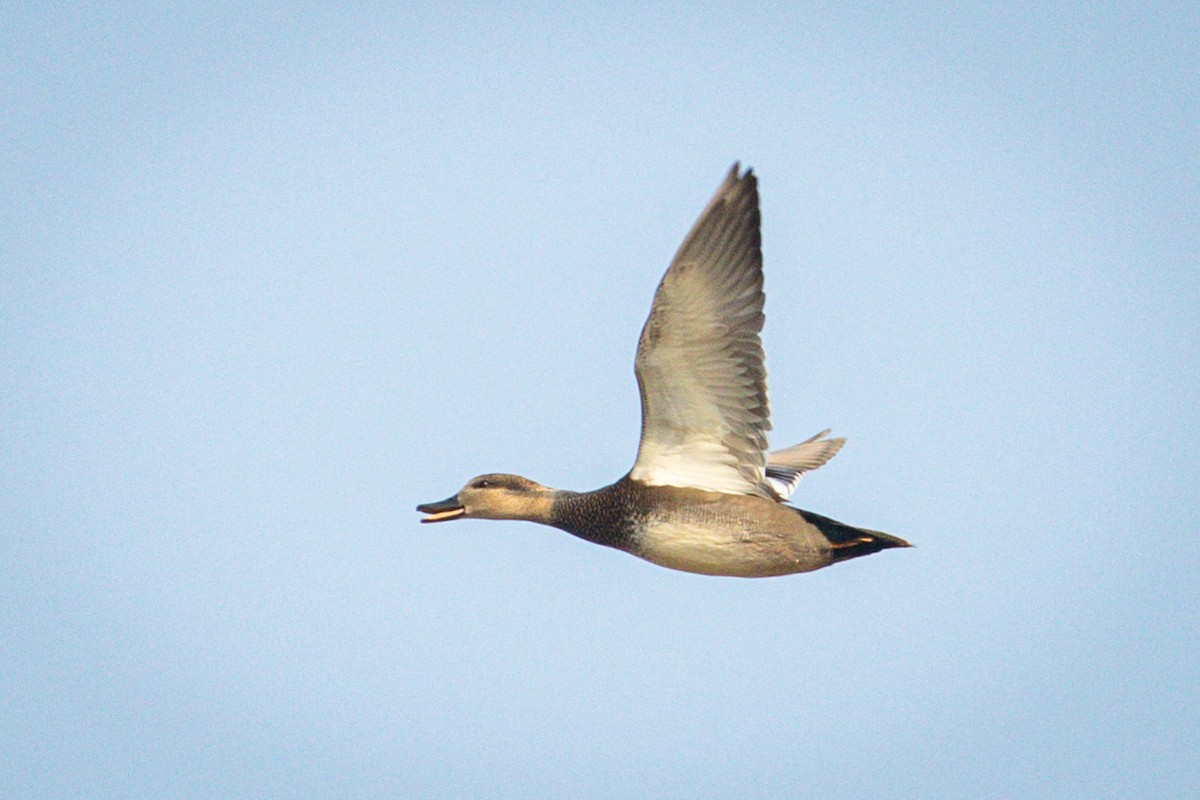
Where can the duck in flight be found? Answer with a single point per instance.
(704, 495)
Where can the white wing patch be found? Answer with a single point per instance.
(699, 464)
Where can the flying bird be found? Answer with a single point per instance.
(704, 495)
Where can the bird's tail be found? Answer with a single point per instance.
(850, 542)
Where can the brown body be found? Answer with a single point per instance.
(681, 528)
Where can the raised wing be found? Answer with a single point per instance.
(786, 467)
(700, 360)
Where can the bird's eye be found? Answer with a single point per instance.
(482, 484)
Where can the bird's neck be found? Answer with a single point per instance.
(601, 516)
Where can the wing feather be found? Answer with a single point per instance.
(699, 363)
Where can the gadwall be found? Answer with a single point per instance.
(703, 495)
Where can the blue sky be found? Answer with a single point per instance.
(272, 276)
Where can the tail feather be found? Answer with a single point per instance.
(850, 542)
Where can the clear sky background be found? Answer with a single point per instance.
(272, 276)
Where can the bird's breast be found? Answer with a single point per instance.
(730, 548)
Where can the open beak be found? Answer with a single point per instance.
(443, 510)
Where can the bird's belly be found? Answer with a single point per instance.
(710, 549)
